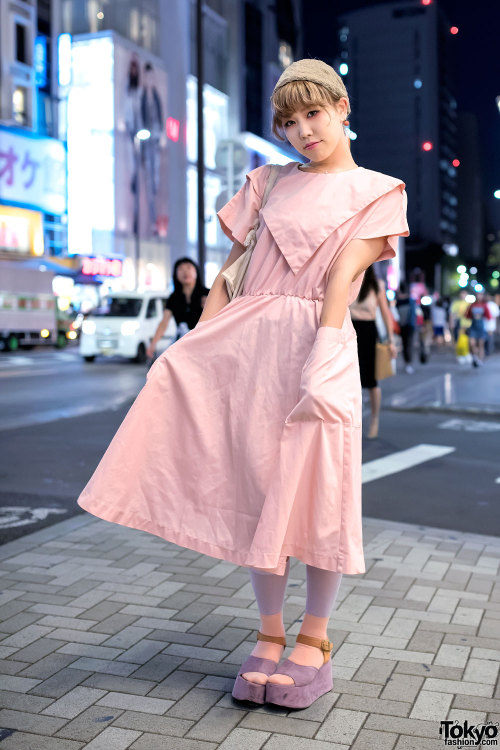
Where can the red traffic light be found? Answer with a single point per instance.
(427, 146)
(454, 30)
(426, 2)
(456, 162)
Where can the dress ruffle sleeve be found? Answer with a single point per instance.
(386, 217)
(240, 213)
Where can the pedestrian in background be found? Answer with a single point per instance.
(438, 317)
(425, 332)
(478, 312)
(491, 324)
(407, 314)
(457, 319)
(185, 303)
(363, 314)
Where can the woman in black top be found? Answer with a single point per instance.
(185, 303)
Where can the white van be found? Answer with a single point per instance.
(124, 325)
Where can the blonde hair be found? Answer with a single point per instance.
(297, 95)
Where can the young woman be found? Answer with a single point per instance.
(185, 303)
(363, 314)
(245, 443)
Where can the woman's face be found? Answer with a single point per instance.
(186, 273)
(316, 133)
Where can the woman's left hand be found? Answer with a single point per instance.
(393, 349)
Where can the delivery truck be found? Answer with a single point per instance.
(28, 311)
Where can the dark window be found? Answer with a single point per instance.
(285, 23)
(21, 47)
(416, 44)
(253, 68)
(119, 307)
(402, 12)
(151, 311)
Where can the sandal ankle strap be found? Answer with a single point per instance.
(325, 645)
(280, 639)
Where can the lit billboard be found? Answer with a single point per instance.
(32, 171)
(116, 180)
(141, 160)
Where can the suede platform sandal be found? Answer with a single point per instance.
(243, 689)
(310, 682)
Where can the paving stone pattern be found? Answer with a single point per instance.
(111, 638)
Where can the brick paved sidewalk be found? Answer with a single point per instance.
(113, 639)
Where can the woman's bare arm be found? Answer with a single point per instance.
(354, 259)
(218, 297)
(160, 330)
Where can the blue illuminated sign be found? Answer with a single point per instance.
(41, 61)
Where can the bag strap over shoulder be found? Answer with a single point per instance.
(251, 237)
(271, 179)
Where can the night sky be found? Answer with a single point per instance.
(477, 72)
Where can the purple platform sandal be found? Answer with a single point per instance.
(243, 689)
(310, 682)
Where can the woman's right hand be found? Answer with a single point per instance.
(150, 351)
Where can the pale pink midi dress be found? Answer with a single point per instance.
(245, 442)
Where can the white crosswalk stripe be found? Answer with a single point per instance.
(13, 361)
(395, 462)
(469, 425)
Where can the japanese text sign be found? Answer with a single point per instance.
(32, 171)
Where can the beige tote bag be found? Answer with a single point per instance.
(383, 361)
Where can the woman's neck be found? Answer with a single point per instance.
(340, 160)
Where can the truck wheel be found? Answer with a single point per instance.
(90, 358)
(140, 357)
(61, 340)
(12, 343)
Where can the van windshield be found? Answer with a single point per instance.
(119, 307)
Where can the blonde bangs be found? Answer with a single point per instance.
(295, 96)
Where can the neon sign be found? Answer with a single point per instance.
(102, 267)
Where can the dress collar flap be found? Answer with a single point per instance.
(304, 208)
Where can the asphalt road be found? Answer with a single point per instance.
(58, 414)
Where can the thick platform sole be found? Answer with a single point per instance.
(293, 696)
(244, 690)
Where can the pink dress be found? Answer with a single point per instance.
(245, 442)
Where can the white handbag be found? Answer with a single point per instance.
(235, 273)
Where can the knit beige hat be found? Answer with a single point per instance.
(316, 71)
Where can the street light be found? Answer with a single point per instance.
(141, 135)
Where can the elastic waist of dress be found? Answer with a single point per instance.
(281, 294)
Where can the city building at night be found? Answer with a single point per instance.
(32, 159)
(34, 284)
(404, 115)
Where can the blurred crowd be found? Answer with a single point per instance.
(466, 322)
